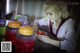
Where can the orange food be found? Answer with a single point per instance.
(26, 30)
(41, 33)
(14, 24)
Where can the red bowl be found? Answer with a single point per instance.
(41, 33)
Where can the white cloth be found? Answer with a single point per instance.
(66, 33)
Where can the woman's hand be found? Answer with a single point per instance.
(43, 36)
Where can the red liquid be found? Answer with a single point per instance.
(20, 46)
(24, 47)
(11, 36)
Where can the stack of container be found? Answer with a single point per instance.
(12, 30)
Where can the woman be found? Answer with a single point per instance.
(53, 16)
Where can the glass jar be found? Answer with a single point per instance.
(25, 40)
(12, 30)
(2, 27)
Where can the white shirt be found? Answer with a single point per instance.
(66, 33)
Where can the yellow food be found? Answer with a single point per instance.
(14, 24)
(26, 30)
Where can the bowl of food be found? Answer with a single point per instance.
(39, 33)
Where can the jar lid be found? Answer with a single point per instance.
(26, 30)
(14, 24)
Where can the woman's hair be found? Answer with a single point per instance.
(60, 10)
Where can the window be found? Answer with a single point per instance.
(7, 7)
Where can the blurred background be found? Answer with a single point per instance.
(34, 9)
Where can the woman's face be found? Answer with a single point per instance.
(51, 15)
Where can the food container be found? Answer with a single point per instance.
(12, 30)
(25, 40)
(40, 33)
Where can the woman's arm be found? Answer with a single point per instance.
(54, 42)
(48, 40)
